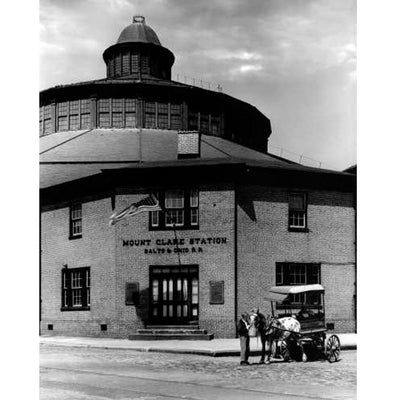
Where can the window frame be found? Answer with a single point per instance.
(150, 115)
(73, 219)
(287, 273)
(179, 210)
(175, 116)
(190, 206)
(130, 109)
(83, 290)
(163, 116)
(117, 112)
(291, 210)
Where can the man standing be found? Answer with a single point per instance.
(243, 331)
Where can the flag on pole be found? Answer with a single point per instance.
(149, 203)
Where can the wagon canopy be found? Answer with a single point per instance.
(280, 293)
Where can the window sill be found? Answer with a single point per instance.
(293, 229)
(75, 237)
(75, 309)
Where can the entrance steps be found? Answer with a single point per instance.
(171, 332)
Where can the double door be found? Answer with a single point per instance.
(174, 297)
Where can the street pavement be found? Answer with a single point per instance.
(215, 348)
(94, 373)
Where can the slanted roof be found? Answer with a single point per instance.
(108, 145)
(351, 170)
(67, 156)
(56, 174)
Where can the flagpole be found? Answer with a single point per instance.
(176, 244)
(140, 145)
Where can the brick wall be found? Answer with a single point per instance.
(113, 265)
(96, 250)
(264, 239)
(338, 280)
(216, 262)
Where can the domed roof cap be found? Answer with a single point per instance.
(138, 31)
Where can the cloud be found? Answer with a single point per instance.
(51, 49)
(223, 54)
(288, 58)
(246, 69)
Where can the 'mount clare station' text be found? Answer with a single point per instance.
(176, 245)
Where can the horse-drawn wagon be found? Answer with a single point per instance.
(296, 329)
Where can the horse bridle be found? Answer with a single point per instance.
(269, 323)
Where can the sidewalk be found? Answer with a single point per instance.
(212, 348)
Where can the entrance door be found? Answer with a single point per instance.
(174, 294)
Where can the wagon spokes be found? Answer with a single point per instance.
(332, 348)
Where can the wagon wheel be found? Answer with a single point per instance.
(332, 348)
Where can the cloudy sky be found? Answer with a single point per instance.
(295, 60)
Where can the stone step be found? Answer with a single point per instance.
(170, 336)
(190, 326)
(172, 331)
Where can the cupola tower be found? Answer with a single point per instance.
(138, 54)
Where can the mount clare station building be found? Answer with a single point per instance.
(234, 219)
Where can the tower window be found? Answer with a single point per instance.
(117, 117)
(215, 125)
(130, 113)
(193, 123)
(47, 119)
(135, 65)
(104, 113)
(162, 115)
(176, 117)
(204, 123)
(118, 65)
(125, 64)
(74, 115)
(150, 115)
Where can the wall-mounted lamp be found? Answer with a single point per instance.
(65, 266)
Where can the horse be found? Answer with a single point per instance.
(260, 326)
(272, 329)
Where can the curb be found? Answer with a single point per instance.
(209, 353)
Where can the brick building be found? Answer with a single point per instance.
(235, 220)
